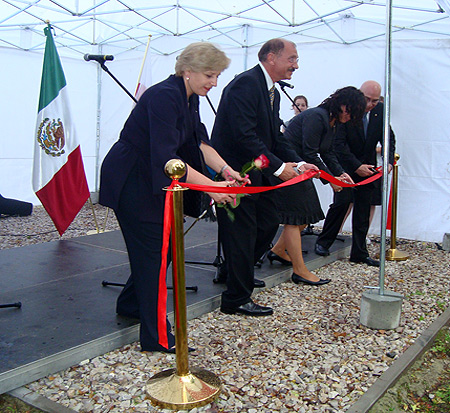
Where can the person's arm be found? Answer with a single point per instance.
(246, 117)
(345, 156)
(217, 163)
(195, 177)
(313, 131)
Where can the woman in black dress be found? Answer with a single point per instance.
(311, 134)
(164, 124)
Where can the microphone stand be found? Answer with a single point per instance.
(218, 261)
(103, 66)
(286, 93)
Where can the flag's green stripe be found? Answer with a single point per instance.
(53, 79)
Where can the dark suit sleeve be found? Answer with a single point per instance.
(165, 116)
(347, 159)
(243, 121)
(391, 146)
(308, 141)
(379, 110)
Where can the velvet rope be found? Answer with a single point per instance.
(168, 218)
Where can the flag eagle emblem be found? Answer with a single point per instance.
(51, 137)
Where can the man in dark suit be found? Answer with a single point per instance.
(248, 125)
(355, 146)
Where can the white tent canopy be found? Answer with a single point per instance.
(124, 26)
(339, 42)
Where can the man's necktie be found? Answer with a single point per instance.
(272, 95)
(365, 123)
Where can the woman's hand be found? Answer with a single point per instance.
(222, 198)
(234, 177)
(336, 188)
(345, 177)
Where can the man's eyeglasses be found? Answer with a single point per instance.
(373, 101)
(293, 59)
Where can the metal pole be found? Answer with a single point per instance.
(382, 309)
(246, 27)
(393, 254)
(98, 124)
(179, 284)
(387, 109)
(181, 388)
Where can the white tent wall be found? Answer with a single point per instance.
(419, 98)
(419, 101)
(19, 89)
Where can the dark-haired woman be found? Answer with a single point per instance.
(311, 134)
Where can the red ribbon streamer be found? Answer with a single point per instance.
(389, 211)
(162, 287)
(168, 219)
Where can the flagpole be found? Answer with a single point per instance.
(143, 63)
(95, 216)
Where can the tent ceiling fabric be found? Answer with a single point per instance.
(86, 26)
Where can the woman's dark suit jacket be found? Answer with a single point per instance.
(312, 138)
(162, 126)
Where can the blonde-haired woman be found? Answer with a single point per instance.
(164, 124)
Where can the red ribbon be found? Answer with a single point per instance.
(168, 219)
(162, 287)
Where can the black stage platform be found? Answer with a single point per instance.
(68, 316)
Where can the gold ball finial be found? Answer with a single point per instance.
(396, 157)
(175, 169)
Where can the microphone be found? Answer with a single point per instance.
(98, 57)
(284, 84)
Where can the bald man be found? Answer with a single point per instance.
(355, 146)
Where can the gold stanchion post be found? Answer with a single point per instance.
(393, 254)
(183, 387)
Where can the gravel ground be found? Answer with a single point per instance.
(311, 355)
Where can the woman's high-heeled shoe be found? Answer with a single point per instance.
(297, 279)
(271, 256)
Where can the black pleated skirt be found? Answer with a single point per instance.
(299, 204)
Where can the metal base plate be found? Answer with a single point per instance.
(396, 255)
(198, 388)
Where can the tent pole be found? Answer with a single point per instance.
(98, 124)
(387, 113)
(246, 26)
(381, 309)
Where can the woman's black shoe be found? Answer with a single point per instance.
(297, 279)
(271, 256)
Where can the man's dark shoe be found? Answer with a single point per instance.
(250, 308)
(258, 283)
(366, 260)
(319, 250)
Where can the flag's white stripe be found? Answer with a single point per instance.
(45, 166)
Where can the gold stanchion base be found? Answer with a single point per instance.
(197, 388)
(396, 255)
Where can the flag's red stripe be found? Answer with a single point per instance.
(66, 193)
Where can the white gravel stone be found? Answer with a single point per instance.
(312, 355)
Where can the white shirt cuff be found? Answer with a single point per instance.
(278, 172)
(299, 164)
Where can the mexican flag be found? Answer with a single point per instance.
(59, 179)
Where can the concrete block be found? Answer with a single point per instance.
(446, 242)
(381, 312)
